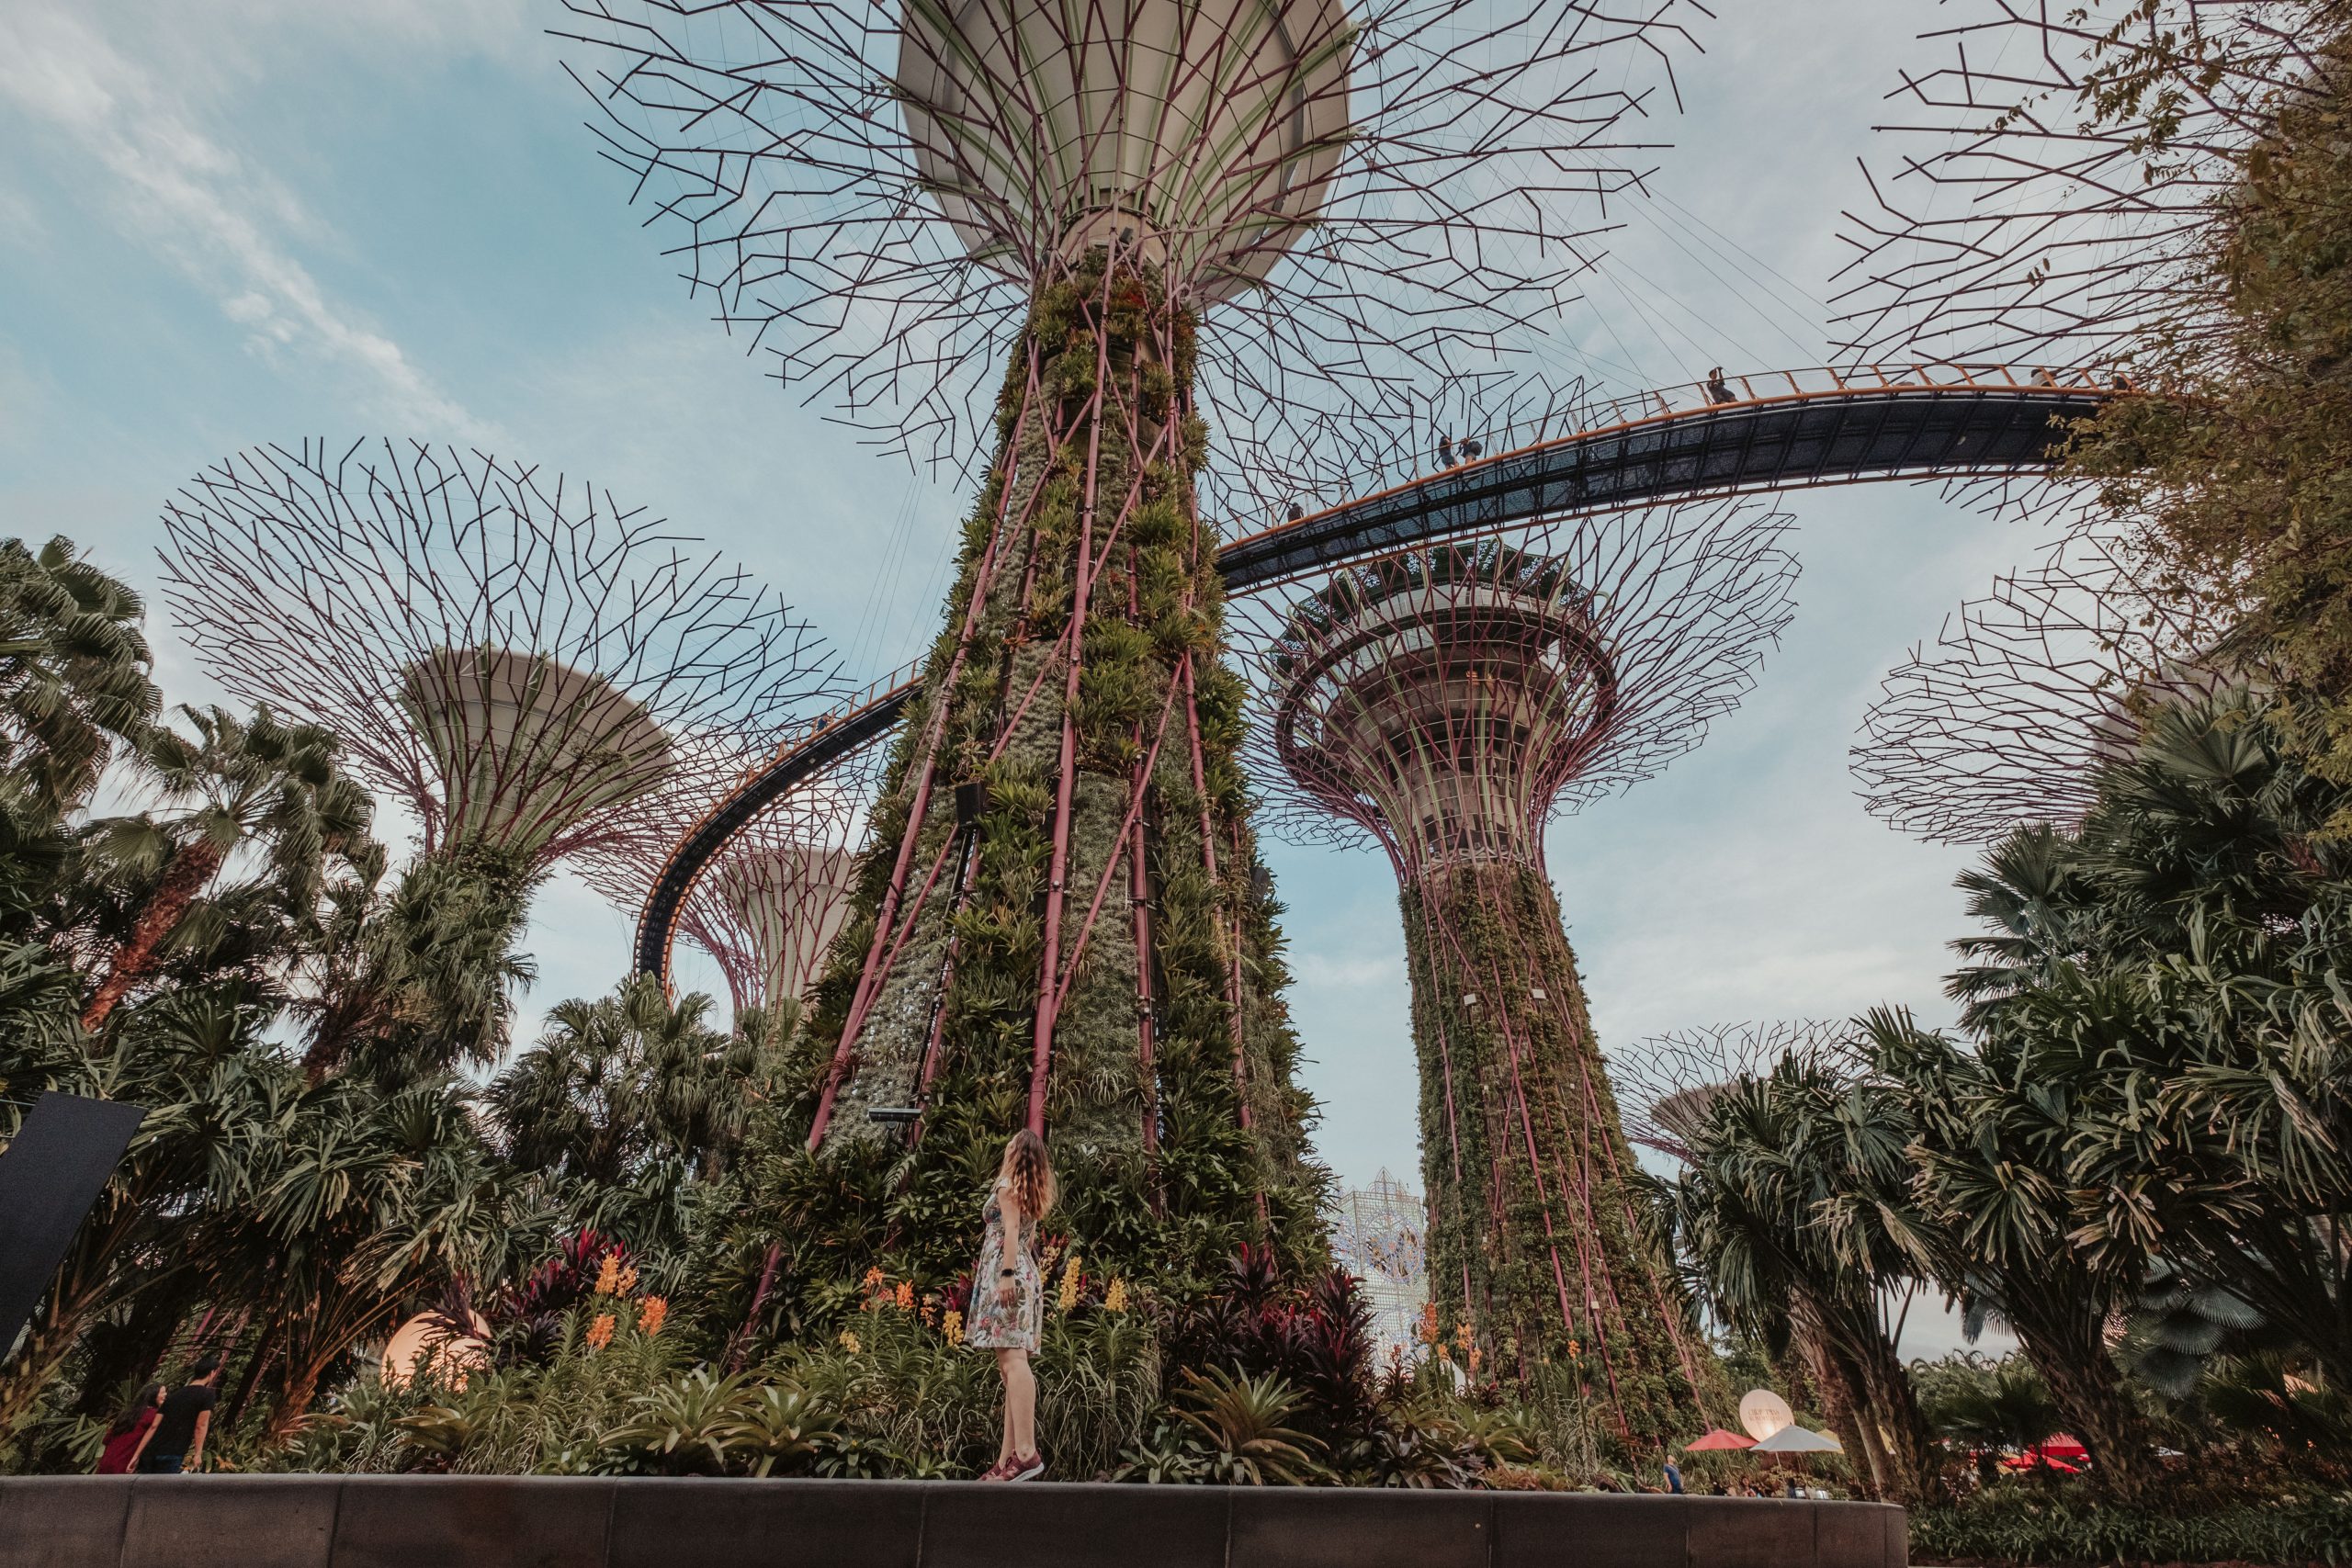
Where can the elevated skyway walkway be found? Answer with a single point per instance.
(1771, 431)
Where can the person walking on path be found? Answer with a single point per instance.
(177, 1441)
(1008, 1298)
(127, 1438)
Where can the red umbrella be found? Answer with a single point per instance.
(1718, 1440)
(2064, 1447)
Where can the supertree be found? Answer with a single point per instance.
(2005, 722)
(1294, 219)
(2055, 190)
(768, 908)
(1447, 703)
(515, 659)
(1668, 1082)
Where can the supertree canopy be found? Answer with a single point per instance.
(2004, 722)
(2058, 178)
(1448, 703)
(1668, 1083)
(515, 659)
(1381, 200)
(1285, 215)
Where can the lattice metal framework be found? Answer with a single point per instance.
(2004, 722)
(515, 658)
(1382, 202)
(1448, 703)
(1667, 1083)
(1379, 1234)
(2054, 184)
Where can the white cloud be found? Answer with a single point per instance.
(202, 207)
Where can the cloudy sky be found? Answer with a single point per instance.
(224, 222)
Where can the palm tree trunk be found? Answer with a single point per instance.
(2070, 1355)
(191, 867)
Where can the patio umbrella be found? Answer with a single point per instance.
(2064, 1447)
(1718, 1440)
(1797, 1441)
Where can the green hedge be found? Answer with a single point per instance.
(2028, 1529)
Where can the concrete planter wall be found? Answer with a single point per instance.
(326, 1521)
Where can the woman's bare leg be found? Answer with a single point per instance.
(1004, 1372)
(1020, 1402)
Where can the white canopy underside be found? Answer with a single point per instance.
(1206, 130)
(527, 747)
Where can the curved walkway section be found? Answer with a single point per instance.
(1787, 430)
(1780, 430)
(325, 1521)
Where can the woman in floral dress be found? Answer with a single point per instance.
(1008, 1299)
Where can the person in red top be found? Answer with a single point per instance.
(127, 1438)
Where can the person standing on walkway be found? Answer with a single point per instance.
(127, 1438)
(178, 1442)
(1008, 1297)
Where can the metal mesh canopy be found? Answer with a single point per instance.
(2003, 722)
(1449, 701)
(1209, 129)
(2013, 220)
(1384, 205)
(514, 656)
(1666, 1084)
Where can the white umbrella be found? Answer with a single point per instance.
(1797, 1441)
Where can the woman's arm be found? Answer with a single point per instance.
(146, 1436)
(1008, 1279)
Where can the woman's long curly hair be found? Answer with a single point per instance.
(1028, 1172)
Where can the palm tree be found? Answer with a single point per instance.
(1992, 1131)
(1796, 1215)
(261, 782)
(74, 671)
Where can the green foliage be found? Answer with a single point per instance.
(2015, 1524)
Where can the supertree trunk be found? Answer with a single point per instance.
(1061, 921)
(1535, 1245)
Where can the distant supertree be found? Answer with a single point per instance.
(2005, 721)
(1450, 703)
(769, 905)
(1298, 223)
(2056, 185)
(515, 659)
(1667, 1083)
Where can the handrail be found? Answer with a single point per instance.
(1658, 405)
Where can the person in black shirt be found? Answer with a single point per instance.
(178, 1441)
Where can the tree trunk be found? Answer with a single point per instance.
(1914, 1472)
(1841, 1401)
(2070, 1355)
(192, 866)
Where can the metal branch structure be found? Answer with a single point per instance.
(1447, 703)
(771, 902)
(2004, 722)
(2056, 182)
(1300, 223)
(1376, 207)
(513, 657)
(1667, 1083)
(1379, 1233)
